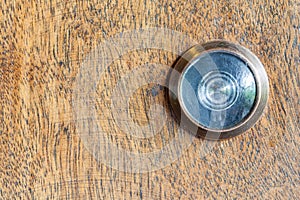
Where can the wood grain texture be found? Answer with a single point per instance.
(43, 44)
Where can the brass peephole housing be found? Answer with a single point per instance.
(218, 89)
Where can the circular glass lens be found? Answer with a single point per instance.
(218, 90)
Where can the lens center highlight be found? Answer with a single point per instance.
(218, 90)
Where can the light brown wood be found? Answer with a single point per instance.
(43, 44)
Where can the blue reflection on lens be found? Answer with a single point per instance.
(225, 90)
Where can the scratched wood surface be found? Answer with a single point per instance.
(42, 156)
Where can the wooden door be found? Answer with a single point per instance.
(43, 151)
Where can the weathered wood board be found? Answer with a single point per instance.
(42, 46)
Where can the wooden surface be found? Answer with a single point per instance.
(43, 44)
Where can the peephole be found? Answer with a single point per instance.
(222, 89)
